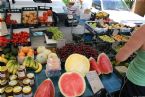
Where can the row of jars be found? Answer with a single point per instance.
(16, 85)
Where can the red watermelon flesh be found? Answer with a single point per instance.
(72, 84)
(94, 66)
(46, 89)
(104, 64)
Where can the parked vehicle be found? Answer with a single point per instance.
(118, 11)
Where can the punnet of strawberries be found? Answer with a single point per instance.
(20, 38)
(4, 41)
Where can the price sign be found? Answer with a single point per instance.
(94, 81)
(115, 32)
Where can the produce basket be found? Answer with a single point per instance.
(45, 16)
(29, 16)
(21, 37)
(13, 17)
(93, 27)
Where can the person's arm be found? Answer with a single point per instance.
(133, 44)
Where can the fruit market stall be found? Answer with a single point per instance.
(31, 66)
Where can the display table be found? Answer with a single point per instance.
(111, 82)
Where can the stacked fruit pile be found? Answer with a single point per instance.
(29, 62)
(44, 18)
(101, 15)
(9, 20)
(3, 41)
(83, 49)
(12, 66)
(121, 38)
(20, 38)
(29, 17)
(107, 38)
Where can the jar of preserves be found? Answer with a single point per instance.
(13, 83)
(13, 77)
(9, 91)
(31, 77)
(27, 91)
(3, 82)
(17, 91)
(21, 72)
(2, 92)
(26, 82)
(3, 72)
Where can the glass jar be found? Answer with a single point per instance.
(13, 77)
(27, 91)
(31, 77)
(3, 72)
(13, 83)
(9, 91)
(26, 82)
(2, 92)
(3, 82)
(21, 72)
(17, 91)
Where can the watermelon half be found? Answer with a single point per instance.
(104, 63)
(77, 63)
(72, 84)
(46, 89)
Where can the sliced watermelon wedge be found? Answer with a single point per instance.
(46, 89)
(94, 65)
(104, 64)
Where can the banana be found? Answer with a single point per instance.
(11, 68)
(36, 65)
(25, 62)
(10, 63)
(32, 63)
(15, 69)
(39, 68)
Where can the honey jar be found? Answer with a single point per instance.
(13, 83)
(27, 91)
(2, 92)
(13, 77)
(9, 91)
(21, 72)
(3, 72)
(26, 82)
(31, 77)
(17, 90)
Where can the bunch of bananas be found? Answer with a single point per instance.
(31, 63)
(3, 59)
(12, 66)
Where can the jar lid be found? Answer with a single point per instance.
(17, 89)
(21, 68)
(8, 89)
(13, 83)
(3, 82)
(2, 90)
(27, 89)
(13, 77)
(30, 75)
(26, 81)
(3, 68)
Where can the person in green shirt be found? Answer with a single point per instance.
(134, 83)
